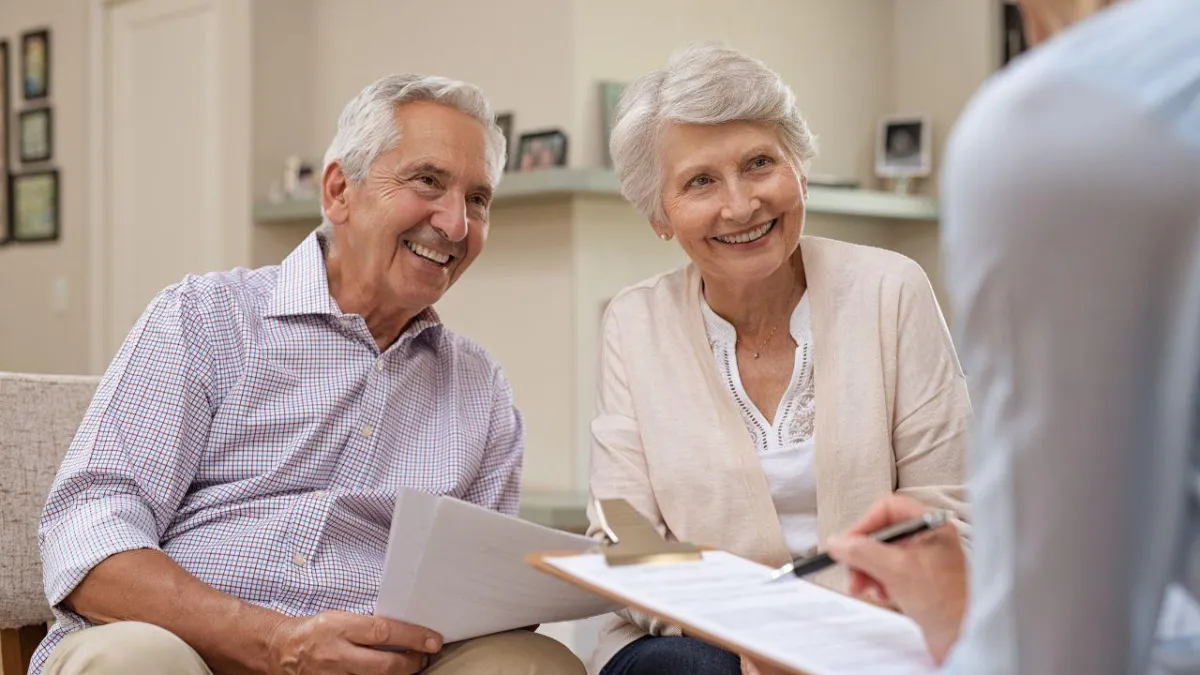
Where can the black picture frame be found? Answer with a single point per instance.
(51, 233)
(23, 152)
(542, 150)
(1013, 42)
(504, 120)
(5, 135)
(35, 85)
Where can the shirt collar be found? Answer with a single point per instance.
(721, 331)
(303, 289)
(303, 284)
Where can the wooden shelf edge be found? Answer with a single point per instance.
(547, 183)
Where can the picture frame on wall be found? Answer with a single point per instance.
(541, 150)
(35, 64)
(33, 202)
(4, 136)
(35, 135)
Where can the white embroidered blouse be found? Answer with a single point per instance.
(785, 448)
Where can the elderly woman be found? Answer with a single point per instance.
(764, 396)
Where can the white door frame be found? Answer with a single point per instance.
(236, 137)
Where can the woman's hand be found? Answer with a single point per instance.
(925, 576)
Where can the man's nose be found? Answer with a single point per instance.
(450, 218)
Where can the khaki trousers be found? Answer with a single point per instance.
(143, 649)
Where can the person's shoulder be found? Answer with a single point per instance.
(240, 290)
(471, 361)
(1084, 81)
(659, 293)
(857, 263)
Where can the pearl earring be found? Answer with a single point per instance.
(664, 236)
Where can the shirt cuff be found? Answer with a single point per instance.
(91, 532)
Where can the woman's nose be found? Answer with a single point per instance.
(741, 205)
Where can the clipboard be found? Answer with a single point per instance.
(630, 539)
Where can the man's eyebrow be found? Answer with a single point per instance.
(483, 189)
(445, 174)
(429, 167)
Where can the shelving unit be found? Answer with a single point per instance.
(557, 183)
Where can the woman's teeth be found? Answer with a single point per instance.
(746, 237)
(428, 254)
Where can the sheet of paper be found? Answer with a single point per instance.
(460, 569)
(797, 623)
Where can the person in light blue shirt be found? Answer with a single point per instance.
(1071, 233)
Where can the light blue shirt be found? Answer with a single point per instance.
(1072, 238)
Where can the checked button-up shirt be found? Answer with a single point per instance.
(255, 434)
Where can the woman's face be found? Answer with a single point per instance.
(733, 197)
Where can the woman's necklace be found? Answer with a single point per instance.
(758, 352)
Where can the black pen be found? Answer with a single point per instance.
(802, 567)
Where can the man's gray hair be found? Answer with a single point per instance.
(703, 84)
(367, 126)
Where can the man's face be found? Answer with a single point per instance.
(420, 217)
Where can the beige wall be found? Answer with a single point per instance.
(833, 53)
(519, 51)
(38, 331)
(944, 49)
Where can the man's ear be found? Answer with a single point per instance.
(333, 193)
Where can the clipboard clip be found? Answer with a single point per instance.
(630, 539)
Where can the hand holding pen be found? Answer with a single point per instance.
(925, 576)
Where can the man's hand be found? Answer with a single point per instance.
(338, 643)
(925, 576)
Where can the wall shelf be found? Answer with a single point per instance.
(550, 183)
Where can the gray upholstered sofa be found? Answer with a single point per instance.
(39, 415)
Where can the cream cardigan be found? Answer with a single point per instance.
(892, 412)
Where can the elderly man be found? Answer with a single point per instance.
(226, 503)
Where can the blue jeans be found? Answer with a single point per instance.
(652, 655)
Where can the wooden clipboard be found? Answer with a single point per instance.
(630, 539)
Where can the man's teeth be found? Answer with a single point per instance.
(428, 254)
(746, 237)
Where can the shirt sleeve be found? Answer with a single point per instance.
(136, 451)
(1068, 223)
(498, 486)
(933, 408)
(618, 467)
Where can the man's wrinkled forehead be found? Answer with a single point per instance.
(443, 141)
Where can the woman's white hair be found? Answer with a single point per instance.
(367, 126)
(704, 84)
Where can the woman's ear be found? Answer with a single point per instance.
(804, 186)
(661, 230)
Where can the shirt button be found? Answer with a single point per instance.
(347, 322)
(299, 560)
(379, 364)
(367, 430)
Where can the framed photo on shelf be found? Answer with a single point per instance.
(505, 122)
(34, 134)
(4, 136)
(904, 148)
(35, 64)
(542, 149)
(33, 202)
